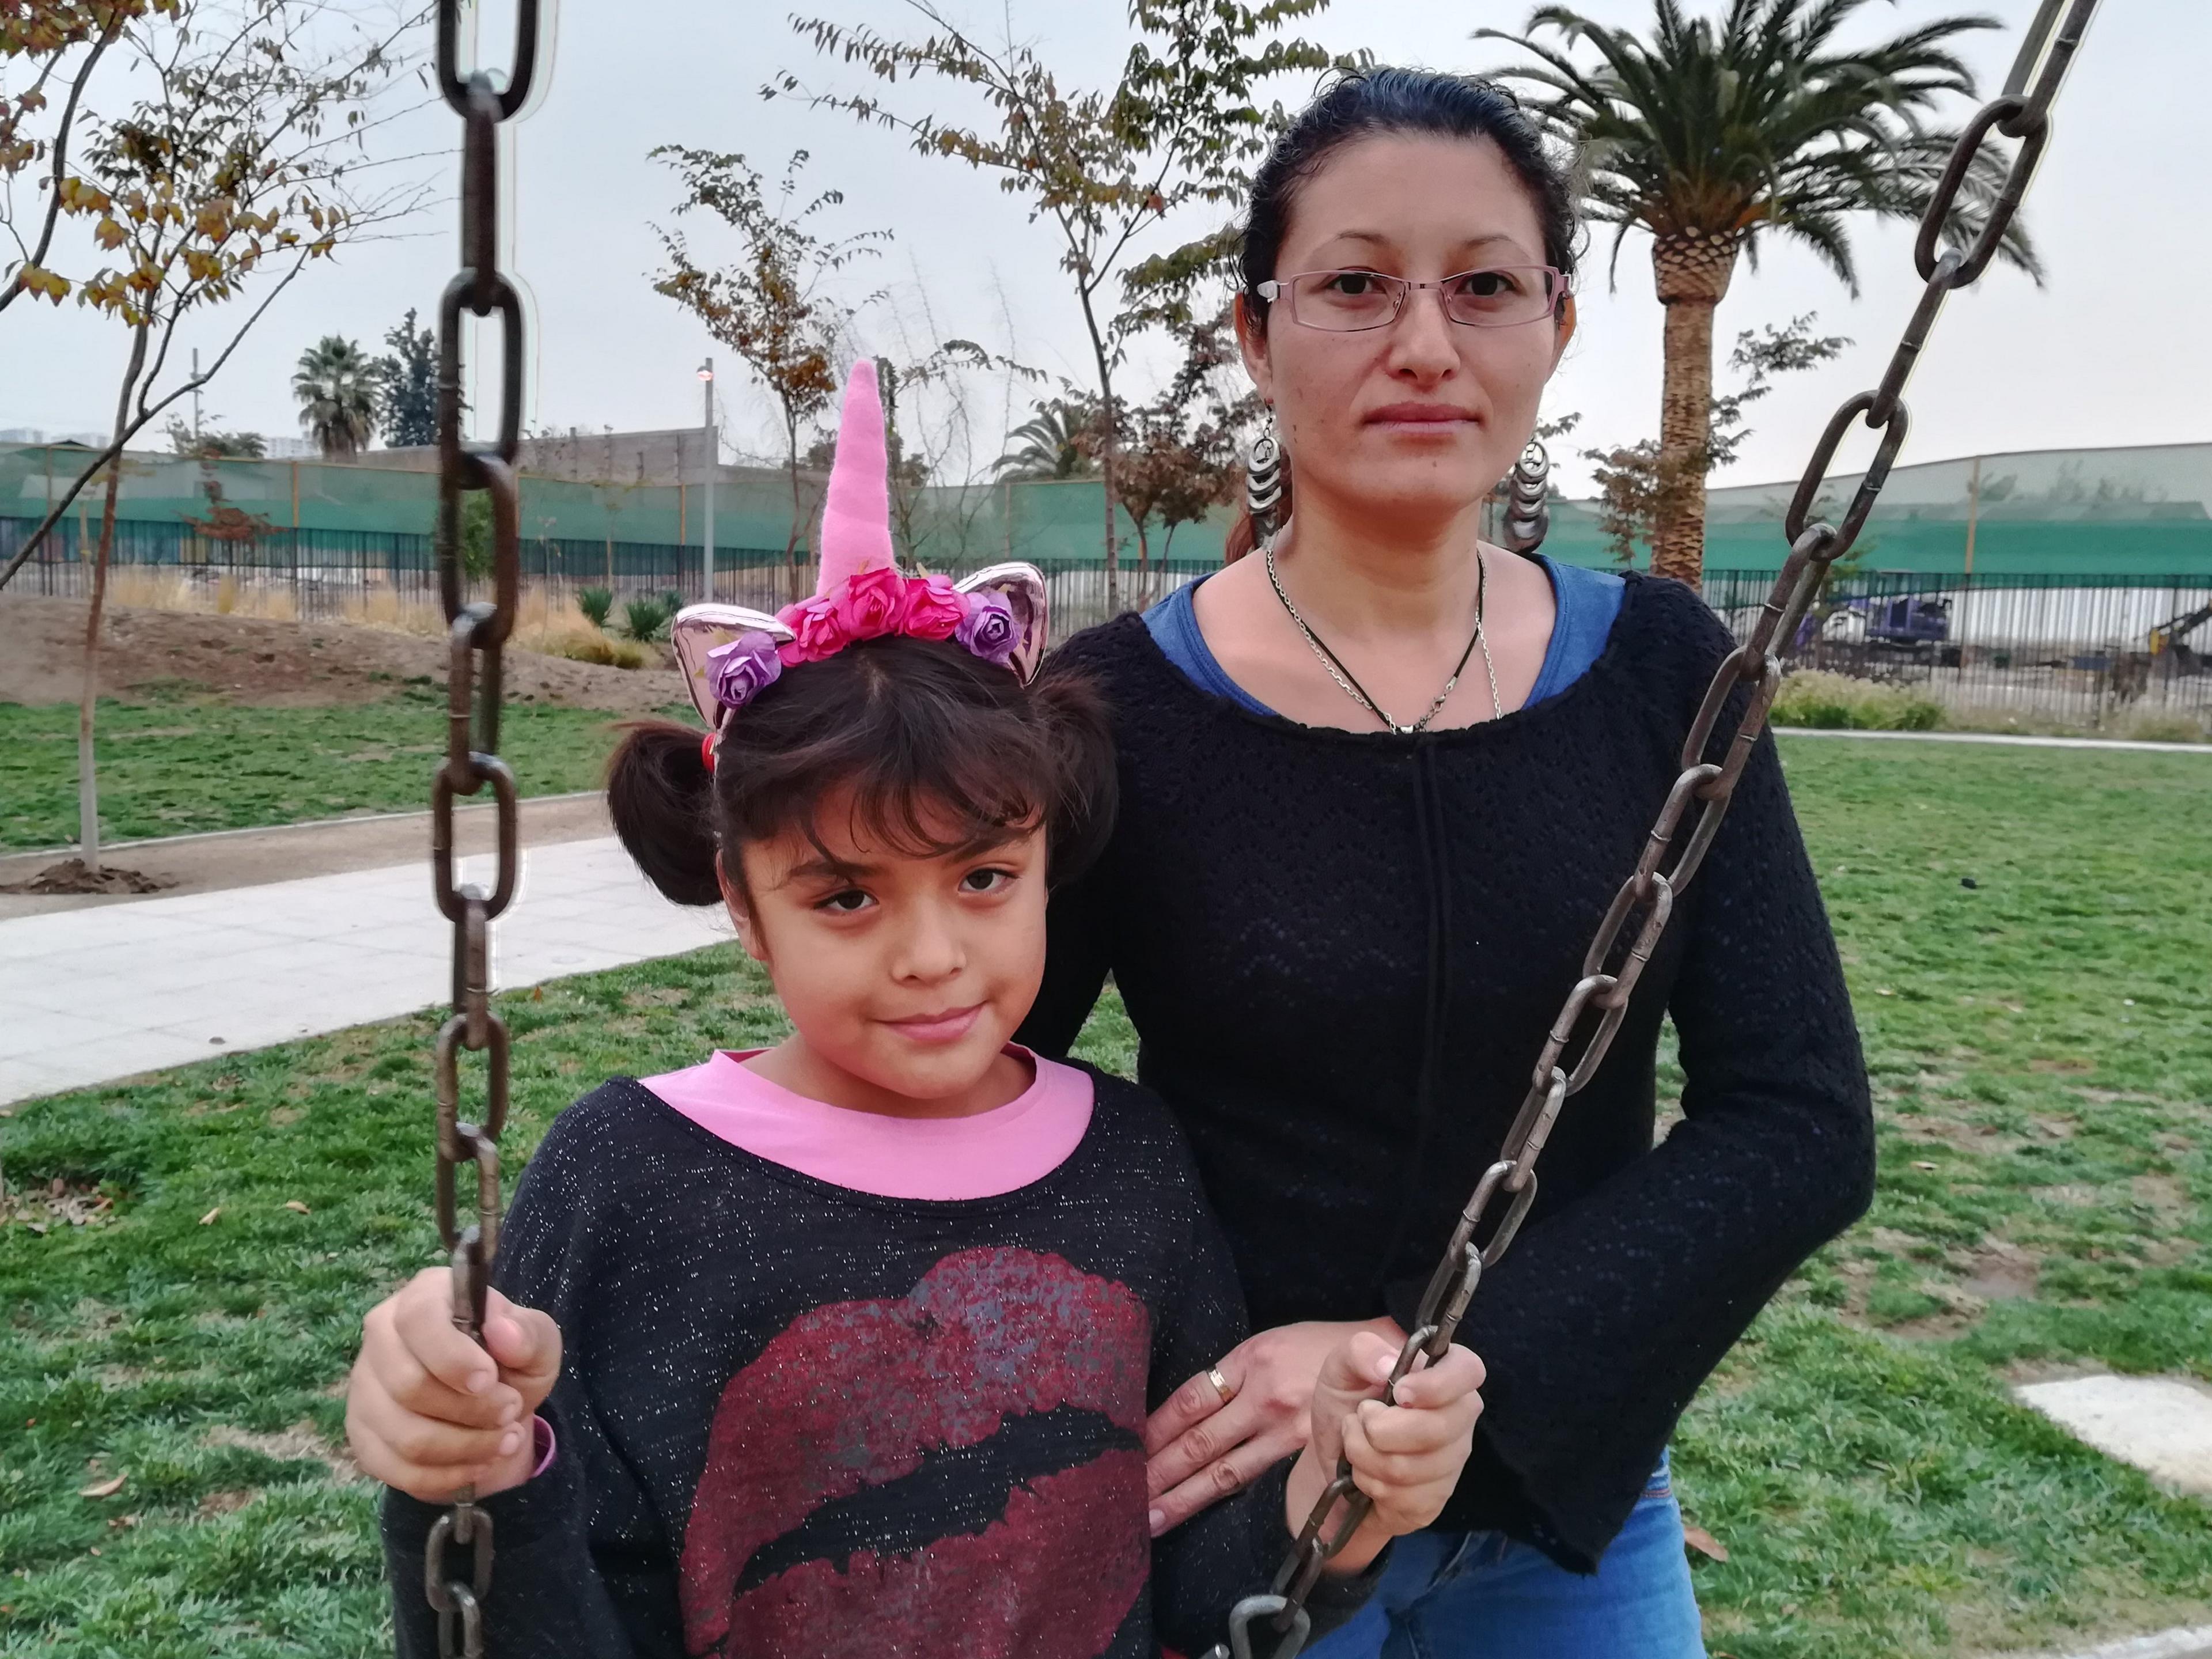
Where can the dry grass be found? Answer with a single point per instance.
(154, 589)
(545, 621)
(2134, 725)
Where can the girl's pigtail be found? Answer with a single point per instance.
(660, 796)
(1080, 731)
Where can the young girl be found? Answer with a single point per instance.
(847, 1346)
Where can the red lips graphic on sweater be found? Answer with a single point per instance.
(960, 1470)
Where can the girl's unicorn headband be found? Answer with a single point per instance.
(730, 654)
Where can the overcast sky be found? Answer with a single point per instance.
(2115, 349)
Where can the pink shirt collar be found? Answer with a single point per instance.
(979, 1157)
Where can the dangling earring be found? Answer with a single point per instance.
(1528, 517)
(1263, 480)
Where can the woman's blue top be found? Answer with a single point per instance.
(1587, 601)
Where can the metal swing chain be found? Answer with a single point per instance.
(479, 630)
(1640, 909)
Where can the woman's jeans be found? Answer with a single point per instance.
(1460, 1595)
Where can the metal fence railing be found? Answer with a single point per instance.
(2073, 647)
(324, 573)
(2069, 646)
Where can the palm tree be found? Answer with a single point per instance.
(336, 386)
(1712, 133)
(1057, 442)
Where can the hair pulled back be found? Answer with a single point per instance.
(1363, 102)
(934, 749)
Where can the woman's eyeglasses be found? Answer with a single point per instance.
(1345, 301)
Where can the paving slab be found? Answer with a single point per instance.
(94, 994)
(2160, 1425)
(2195, 1643)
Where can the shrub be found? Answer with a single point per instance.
(597, 604)
(646, 618)
(1816, 698)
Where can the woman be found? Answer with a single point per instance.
(1379, 783)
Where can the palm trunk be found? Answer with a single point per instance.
(88, 774)
(1686, 414)
(1691, 272)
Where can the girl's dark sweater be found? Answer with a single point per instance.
(797, 1420)
(1341, 952)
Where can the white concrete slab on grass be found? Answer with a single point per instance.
(2192, 1644)
(2160, 1425)
(90, 995)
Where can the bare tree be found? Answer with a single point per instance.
(1181, 452)
(775, 307)
(232, 173)
(64, 41)
(1104, 167)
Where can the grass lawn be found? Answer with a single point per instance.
(2043, 1055)
(189, 765)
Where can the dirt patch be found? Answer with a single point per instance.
(223, 1503)
(2001, 1272)
(1932, 1130)
(2166, 1196)
(254, 659)
(74, 876)
(298, 1443)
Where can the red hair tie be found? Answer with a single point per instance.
(706, 751)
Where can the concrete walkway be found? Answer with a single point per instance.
(93, 995)
(2012, 740)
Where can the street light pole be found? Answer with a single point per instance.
(706, 376)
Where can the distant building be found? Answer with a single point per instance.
(671, 457)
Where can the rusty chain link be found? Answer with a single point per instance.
(479, 631)
(2022, 112)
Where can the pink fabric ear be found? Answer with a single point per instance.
(856, 516)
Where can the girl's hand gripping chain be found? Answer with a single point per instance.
(1405, 1457)
(430, 1412)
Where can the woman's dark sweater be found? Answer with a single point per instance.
(1342, 952)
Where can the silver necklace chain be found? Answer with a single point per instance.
(1352, 688)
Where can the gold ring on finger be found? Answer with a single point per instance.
(1221, 1384)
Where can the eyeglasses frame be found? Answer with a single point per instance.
(1278, 289)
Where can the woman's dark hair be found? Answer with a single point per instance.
(939, 748)
(1409, 101)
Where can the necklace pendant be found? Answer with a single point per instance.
(1412, 731)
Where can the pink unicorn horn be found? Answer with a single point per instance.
(856, 517)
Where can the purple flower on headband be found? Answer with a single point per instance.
(987, 630)
(740, 671)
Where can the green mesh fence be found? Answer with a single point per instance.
(2095, 515)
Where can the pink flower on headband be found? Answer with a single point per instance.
(987, 630)
(872, 604)
(817, 630)
(740, 671)
(935, 609)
